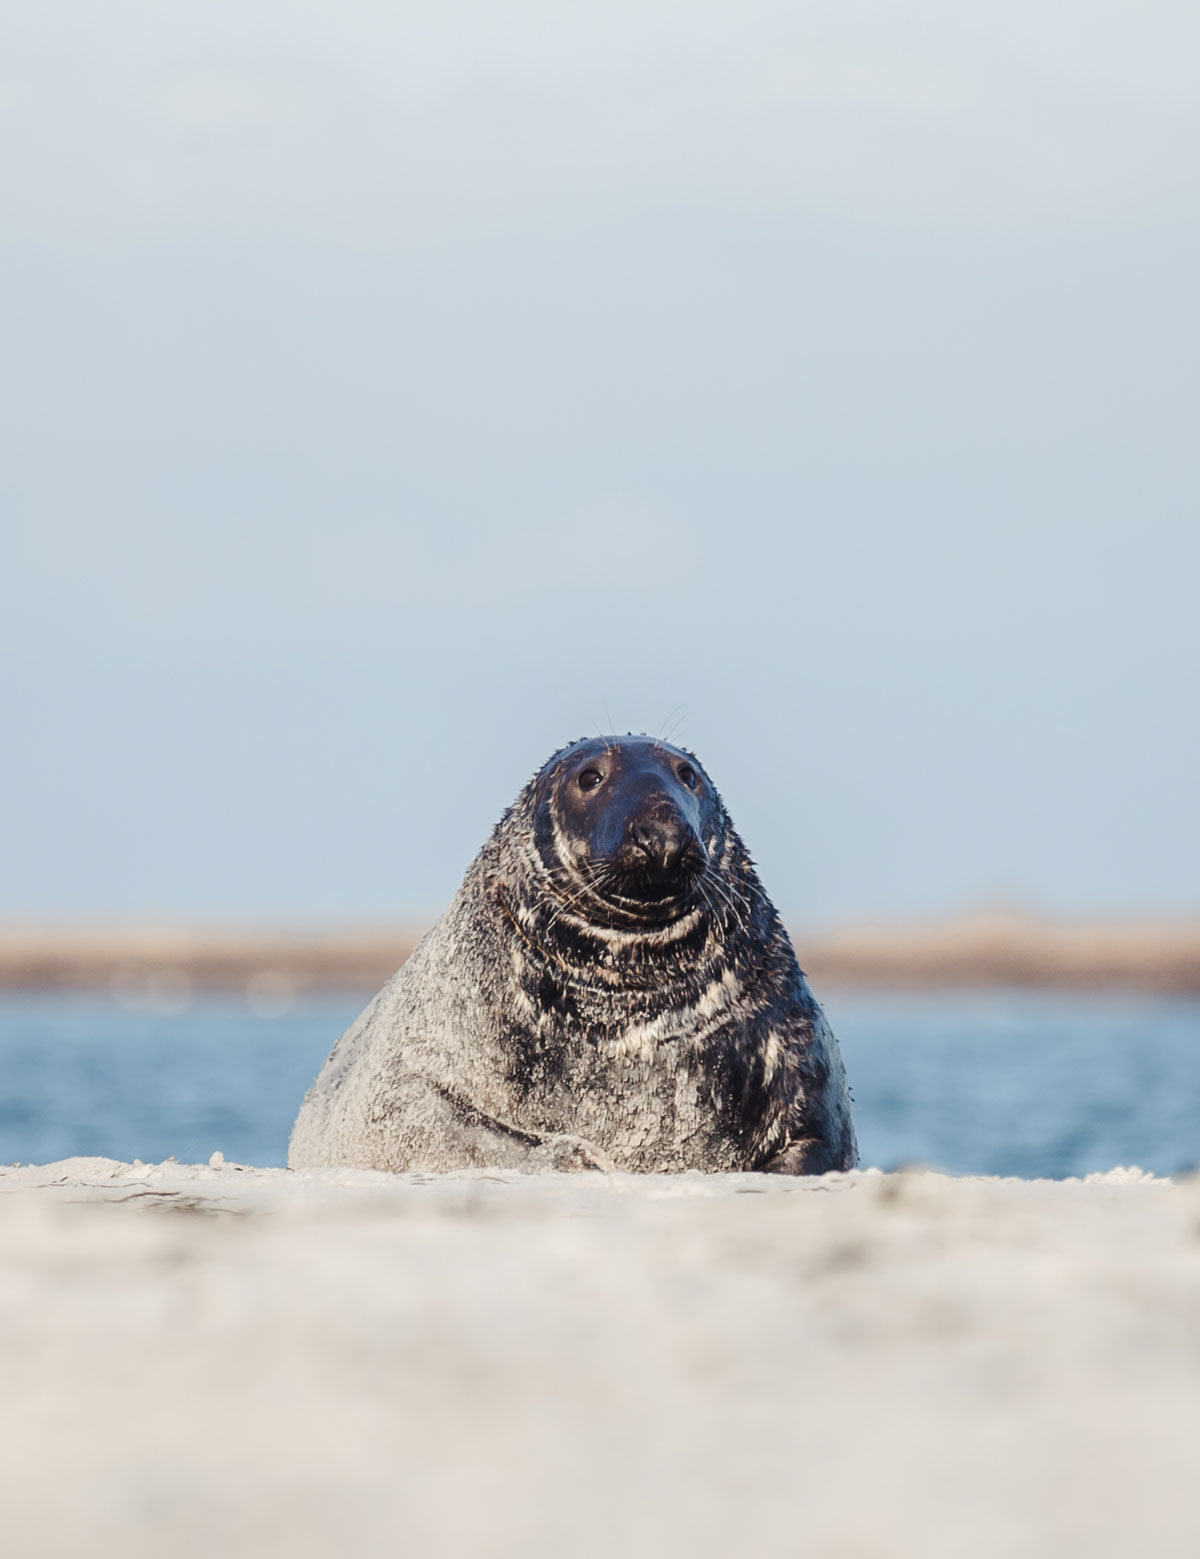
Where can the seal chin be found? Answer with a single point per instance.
(654, 882)
(651, 885)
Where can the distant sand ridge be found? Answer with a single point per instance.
(979, 950)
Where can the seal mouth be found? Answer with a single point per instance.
(631, 894)
(649, 881)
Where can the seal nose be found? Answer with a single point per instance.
(663, 840)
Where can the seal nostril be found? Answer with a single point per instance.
(662, 844)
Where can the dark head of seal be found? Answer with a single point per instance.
(630, 823)
(611, 986)
(635, 816)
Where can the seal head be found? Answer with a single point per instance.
(633, 822)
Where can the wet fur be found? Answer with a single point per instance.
(539, 1027)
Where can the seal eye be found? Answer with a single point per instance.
(688, 775)
(589, 779)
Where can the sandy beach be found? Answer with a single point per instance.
(217, 1359)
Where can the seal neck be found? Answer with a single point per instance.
(593, 940)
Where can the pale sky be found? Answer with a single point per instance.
(394, 393)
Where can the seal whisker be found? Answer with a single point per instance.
(595, 886)
(673, 729)
(735, 892)
(723, 891)
(713, 909)
(659, 738)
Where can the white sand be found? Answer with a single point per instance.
(359, 1364)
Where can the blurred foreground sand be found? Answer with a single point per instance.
(200, 1361)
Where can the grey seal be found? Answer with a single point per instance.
(610, 988)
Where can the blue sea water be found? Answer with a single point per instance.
(995, 1082)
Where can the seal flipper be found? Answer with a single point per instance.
(810, 1156)
(433, 1128)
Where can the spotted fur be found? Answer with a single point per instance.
(541, 1024)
